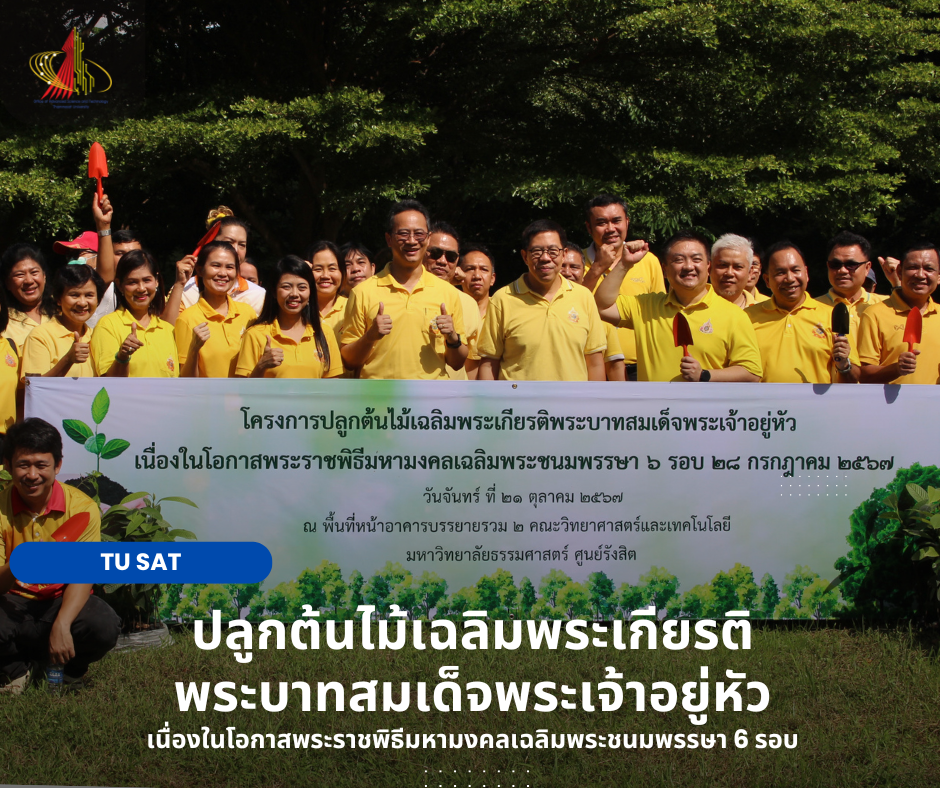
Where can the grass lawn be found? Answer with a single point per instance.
(864, 704)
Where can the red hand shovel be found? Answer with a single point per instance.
(682, 333)
(209, 237)
(913, 328)
(97, 166)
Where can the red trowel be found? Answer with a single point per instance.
(682, 333)
(913, 328)
(209, 237)
(97, 166)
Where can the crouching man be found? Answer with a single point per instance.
(58, 624)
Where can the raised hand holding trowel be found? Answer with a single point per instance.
(913, 329)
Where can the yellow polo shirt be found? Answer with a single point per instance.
(414, 350)
(9, 381)
(47, 344)
(19, 327)
(301, 359)
(856, 308)
(645, 277)
(613, 351)
(18, 525)
(796, 347)
(722, 334)
(881, 334)
(758, 296)
(473, 323)
(156, 359)
(334, 318)
(536, 339)
(217, 358)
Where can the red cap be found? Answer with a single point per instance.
(87, 240)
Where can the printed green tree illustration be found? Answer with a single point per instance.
(601, 590)
(876, 573)
(93, 441)
(768, 597)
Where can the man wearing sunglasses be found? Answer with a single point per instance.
(848, 262)
(404, 323)
(441, 261)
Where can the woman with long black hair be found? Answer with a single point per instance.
(23, 275)
(287, 340)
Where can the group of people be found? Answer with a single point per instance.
(607, 312)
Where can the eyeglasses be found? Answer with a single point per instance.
(418, 235)
(553, 251)
(850, 265)
(435, 253)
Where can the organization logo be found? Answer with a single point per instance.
(73, 78)
(706, 327)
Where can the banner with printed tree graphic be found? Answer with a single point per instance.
(535, 499)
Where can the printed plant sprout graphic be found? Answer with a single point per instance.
(96, 442)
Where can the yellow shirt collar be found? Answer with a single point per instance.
(211, 314)
(385, 279)
(705, 301)
(898, 303)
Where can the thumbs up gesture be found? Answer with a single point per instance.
(130, 345)
(79, 351)
(272, 356)
(445, 326)
(381, 325)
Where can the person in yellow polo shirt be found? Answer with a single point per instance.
(884, 354)
(329, 275)
(134, 341)
(61, 347)
(63, 624)
(724, 346)
(288, 340)
(404, 323)
(209, 334)
(754, 276)
(607, 219)
(848, 262)
(9, 373)
(542, 326)
(794, 331)
(441, 260)
(572, 268)
(730, 268)
(29, 301)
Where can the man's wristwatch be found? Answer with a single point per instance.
(103, 233)
(455, 345)
(705, 376)
(847, 370)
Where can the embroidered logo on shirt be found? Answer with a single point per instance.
(638, 279)
(11, 362)
(170, 365)
(573, 316)
(819, 331)
(707, 327)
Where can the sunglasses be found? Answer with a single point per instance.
(850, 265)
(435, 253)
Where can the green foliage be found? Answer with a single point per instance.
(601, 591)
(768, 597)
(876, 576)
(660, 587)
(819, 112)
(551, 584)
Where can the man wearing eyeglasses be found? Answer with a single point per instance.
(542, 327)
(404, 323)
(848, 262)
(441, 261)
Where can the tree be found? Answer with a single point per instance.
(170, 600)
(600, 590)
(311, 589)
(283, 602)
(630, 598)
(574, 600)
(818, 599)
(431, 590)
(551, 584)
(215, 596)
(331, 582)
(488, 594)
(354, 590)
(876, 572)
(660, 587)
(527, 597)
(241, 594)
(768, 598)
